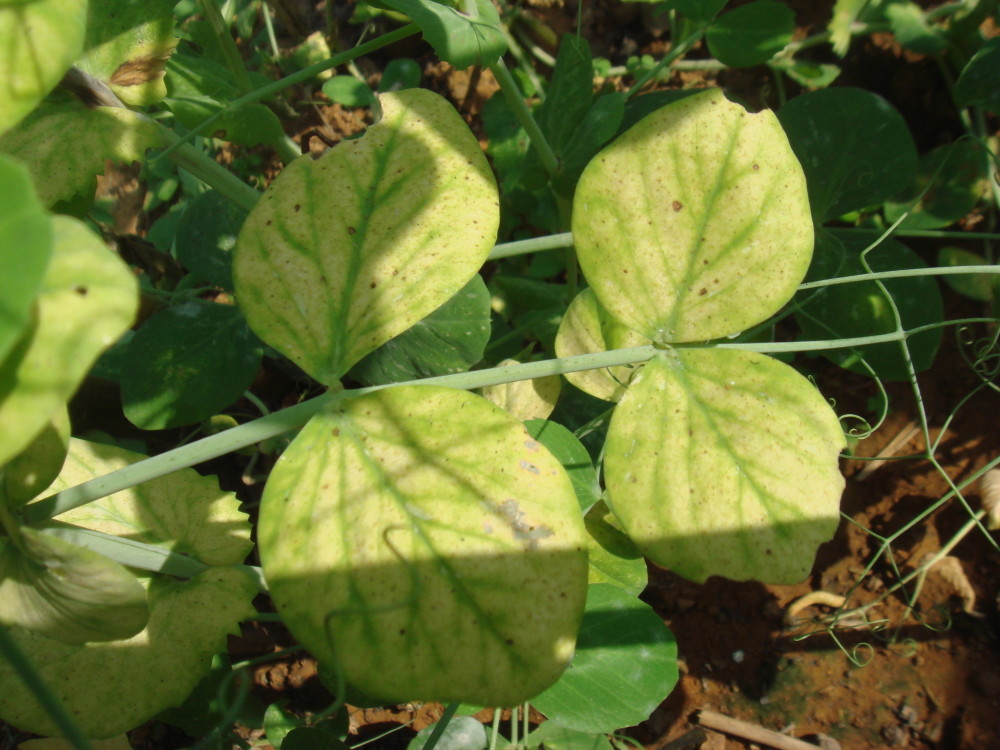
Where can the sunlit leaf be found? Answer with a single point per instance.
(25, 248)
(446, 554)
(724, 462)
(525, 399)
(694, 224)
(112, 687)
(65, 145)
(128, 44)
(87, 299)
(587, 328)
(183, 511)
(346, 251)
(38, 43)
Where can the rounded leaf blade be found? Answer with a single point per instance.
(694, 224)
(346, 251)
(87, 299)
(68, 593)
(446, 552)
(724, 462)
(626, 663)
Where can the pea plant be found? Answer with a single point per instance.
(434, 531)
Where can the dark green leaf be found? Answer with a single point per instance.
(312, 738)
(849, 167)
(187, 363)
(349, 91)
(974, 286)
(248, 125)
(806, 73)
(752, 34)
(979, 83)
(572, 455)
(554, 737)
(400, 73)
(613, 557)
(860, 309)
(570, 92)
(450, 339)
(701, 11)
(278, 723)
(950, 182)
(596, 128)
(906, 19)
(625, 665)
(206, 234)
(455, 37)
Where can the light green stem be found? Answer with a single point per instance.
(905, 273)
(210, 171)
(294, 417)
(668, 59)
(513, 96)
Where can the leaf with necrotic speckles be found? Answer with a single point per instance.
(695, 223)
(424, 543)
(96, 134)
(344, 252)
(725, 462)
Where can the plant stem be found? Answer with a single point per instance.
(48, 700)
(294, 417)
(533, 245)
(210, 171)
(513, 96)
(668, 59)
(905, 273)
(303, 75)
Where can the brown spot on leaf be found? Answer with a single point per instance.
(702, 292)
(140, 70)
(677, 205)
(81, 290)
(298, 206)
(352, 230)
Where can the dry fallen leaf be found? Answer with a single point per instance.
(989, 494)
(951, 571)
